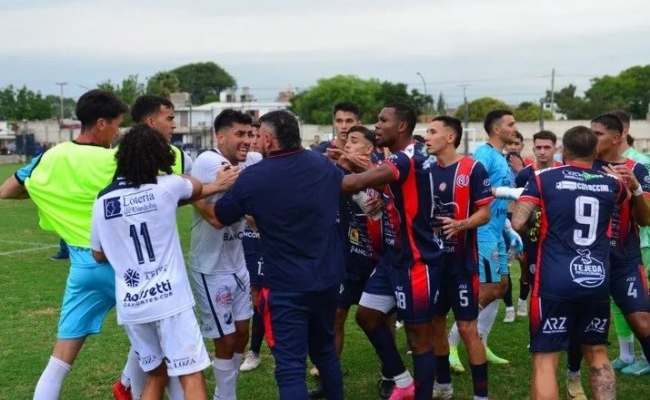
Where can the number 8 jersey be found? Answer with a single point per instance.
(577, 203)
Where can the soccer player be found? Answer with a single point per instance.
(501, 128)
(570, 298)
(461, 196)
(134, 227)
(303, 259)
(217, 262)
(628, 279)
(345, 115)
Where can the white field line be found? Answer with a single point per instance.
(40, 246)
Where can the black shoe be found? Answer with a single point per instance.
(59, 256)
(318, 393)
(385, 387)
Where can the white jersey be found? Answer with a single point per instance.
(136, 229)
(216, 251)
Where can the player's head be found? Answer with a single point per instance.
(234, 134)
(625, 119)
(579, 143)
(500, 124)
(279, 130)
(255, 141)
(142, 154)
(609, 130)
(544, 147)
(155, 111)
(361, 141)
(394, 121)
(517, 144)
(442, 133)
(100, 111)
(345, 115)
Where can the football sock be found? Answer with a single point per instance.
(51, 380)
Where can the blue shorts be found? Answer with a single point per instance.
(459, 293)
(350, 292)
(413, 291)
(629, 288)
(89, 295)
(254, 264)
(492, 261)
(554, 324)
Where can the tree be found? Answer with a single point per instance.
(202, 79)
(479, 108)
(629, 90)
(441, 106)
(163, 84)
(128, 91)
(528, 111)
(69, 105)
(23, 104)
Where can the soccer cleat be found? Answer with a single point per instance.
(493, 358)
(251, 362)
(454, 360)
(640, 367)
(121, 392)
(385, 387)
(314, 372)
(407, 393)
(445, 392)
(522, 308)
(619, 364)
(399, 324)
(510, 315)
(59, 256)
(574, 389)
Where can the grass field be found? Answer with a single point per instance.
(31, 287)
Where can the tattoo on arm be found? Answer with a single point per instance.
(603, 382)
(521, 214)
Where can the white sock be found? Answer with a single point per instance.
(454, 336)
(403, 380)
(626, 349)
(510, 308)
(486, 319)
(51, 380)
(133, 376)
(174, 389)
(572, 374)
(236, 361)
(225, 376)
(521, 301)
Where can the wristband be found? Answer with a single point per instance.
(638, 191)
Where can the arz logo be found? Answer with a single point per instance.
(554, 325)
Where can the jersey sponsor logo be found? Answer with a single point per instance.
(148, 360)
(487, 183)
(162, 289)
(462, 180)
(112, 208)
(587, 271)
(155, 272)
(554, 325)
(597, 325)
(230, 236)
(131, 278)
(353, 235)
(569, 185)
(183, 362)
(361, 251)
(646, 179)
(138, 203)
(581, 176)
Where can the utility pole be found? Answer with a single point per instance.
(426, 92)
(466, 119)
(61, 84)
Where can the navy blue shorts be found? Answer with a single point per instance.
(629, 288)
(554, 324)
(350, 292)
(460, 294)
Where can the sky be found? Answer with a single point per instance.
(501, 48)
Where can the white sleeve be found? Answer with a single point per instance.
(187, 162)
(95, 243)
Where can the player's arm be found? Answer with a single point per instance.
(521, 214)
(376, 177)
(225, 178)
(451, 227)
(13, 189)
(640, 202)
(99, 256)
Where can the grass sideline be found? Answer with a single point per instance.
(32, 287)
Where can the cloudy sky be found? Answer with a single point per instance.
(500, 48)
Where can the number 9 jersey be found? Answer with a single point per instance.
(577, 203)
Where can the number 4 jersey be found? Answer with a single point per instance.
(136, 228)
(573, 257)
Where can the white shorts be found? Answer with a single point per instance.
(176, 340)
(222, 299)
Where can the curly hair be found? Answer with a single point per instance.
(143, 153)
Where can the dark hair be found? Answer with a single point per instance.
(547, 135)
(580, 142)
(630, 140)
(347, 106)
(622, 115)
(96, 104)
(418, 138)
(284, 127)
(142, 154)
(405, 113)
(454, 124)
(147, 105)
(229, 116)
(610, 121)
(367, 133)
(494, 117)
(519, 136)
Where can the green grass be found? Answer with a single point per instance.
(32, 286)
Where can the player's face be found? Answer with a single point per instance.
(163, 121)
(387, 127)
(255, 141)
(343, 121)
(608, 141)
(544, 149)
(438, 137)
(234, 142)
(358, 144)
(109, 130)
(516, 146)
(507, 129)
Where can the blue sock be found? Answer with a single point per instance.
(384, 345)
(424, 368)
(645, 346)
(574, 357)
(480, 379)
(257, 332)
(443, 373)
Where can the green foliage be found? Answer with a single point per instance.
(528, 111)
(69, 105)
(203, 79)
(441, 105)
(163, 84)
(129, 90)
(19, 104)
(479, 108)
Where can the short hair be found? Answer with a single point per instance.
(284, 127)
(228, 117)
(347, 106)
(580, 142)
(622, 115)
(142, 154)
(494, 117)
(418, 138)
(630, 140)
(147, 105)
(367, 133)
(454, 124)
(546, 135)
(405, 113)
(96, 104)
(610, 121)
(519, 136)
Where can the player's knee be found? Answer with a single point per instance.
(467, 330)
(640, 324)
(367, 318)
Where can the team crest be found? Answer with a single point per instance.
(442, 186)
(462, 180)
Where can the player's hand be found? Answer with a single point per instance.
(374, 205)
(516, 243)
(226, 176)
(516, 162)
(451, 227)
(359, 162)
(624, 173)
(333, 154)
